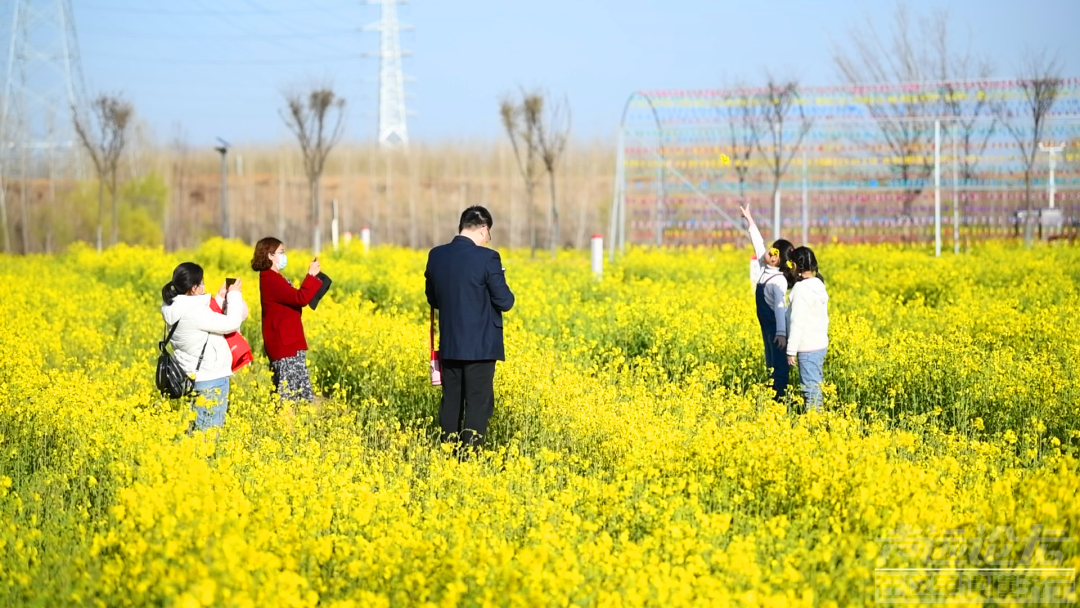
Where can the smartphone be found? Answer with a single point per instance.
(229, 282)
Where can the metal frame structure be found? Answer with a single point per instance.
(668, 173)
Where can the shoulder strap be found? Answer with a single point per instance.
(765, 279)
(169, 335)
(169, 331)
(203, 352)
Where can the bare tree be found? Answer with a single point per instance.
(552, 132)
(521, 123)
(777, 102)
(971, 127)
(411, 162)
(317, 130)
(902, 119)
(105, 144)
(173, 225)
(3, 202)
(953, 69)
(742, 109)
(1040, 82)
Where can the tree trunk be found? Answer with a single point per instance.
(373, 194)
(166, 211)
(532, 219)
(777, 224)
(100, 209)
(506, 180)
(4, 216)
(585, 197)
(24, 229)
(1027, 215)
(436, 192)
(281, 199)
(388, 236)
(316, 215)
(115, 211)
(906, 218)
(554, 215)
(411, 160)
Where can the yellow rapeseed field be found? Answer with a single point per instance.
(634, 457)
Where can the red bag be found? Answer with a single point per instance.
(241, 350)
(436, 366)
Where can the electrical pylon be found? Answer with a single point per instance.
(393, 131)
(43, 91)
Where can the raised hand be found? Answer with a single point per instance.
(745, 211)
(315, 268)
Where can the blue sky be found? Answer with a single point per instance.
(217, 67)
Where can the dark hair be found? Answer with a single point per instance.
(785, 248)
(475, 217)
(804, 260)
(263, 250)
(186, 276)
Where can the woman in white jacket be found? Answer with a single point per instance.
(808, 328)
(199, 338)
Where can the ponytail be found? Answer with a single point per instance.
(168, 293)
(184, 278)
(784, 248)
(804, 260)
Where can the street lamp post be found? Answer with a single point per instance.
(226, 231)
(1051, 149)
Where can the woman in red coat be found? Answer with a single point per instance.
(283, 331)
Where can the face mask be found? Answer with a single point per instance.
(282, 260)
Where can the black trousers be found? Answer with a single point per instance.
(468, 400)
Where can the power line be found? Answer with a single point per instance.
(243, 28)
(175, 61)
(156, 36)
(199, 13)
(279, 41)
(290, 26)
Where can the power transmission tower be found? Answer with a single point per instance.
(43, 89)
(392, 113)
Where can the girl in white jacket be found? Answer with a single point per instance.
(199, 338)
(808, 327)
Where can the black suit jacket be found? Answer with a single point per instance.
(467, 284)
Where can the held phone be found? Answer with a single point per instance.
(225, 305)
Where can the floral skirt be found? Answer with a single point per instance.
(291, 378)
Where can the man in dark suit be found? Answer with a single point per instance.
(466, 282)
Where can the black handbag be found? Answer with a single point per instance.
(322, 290)
(171, 379)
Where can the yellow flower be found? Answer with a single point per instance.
(635, 457)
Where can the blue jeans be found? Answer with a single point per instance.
(216, 394)
(811, 374)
